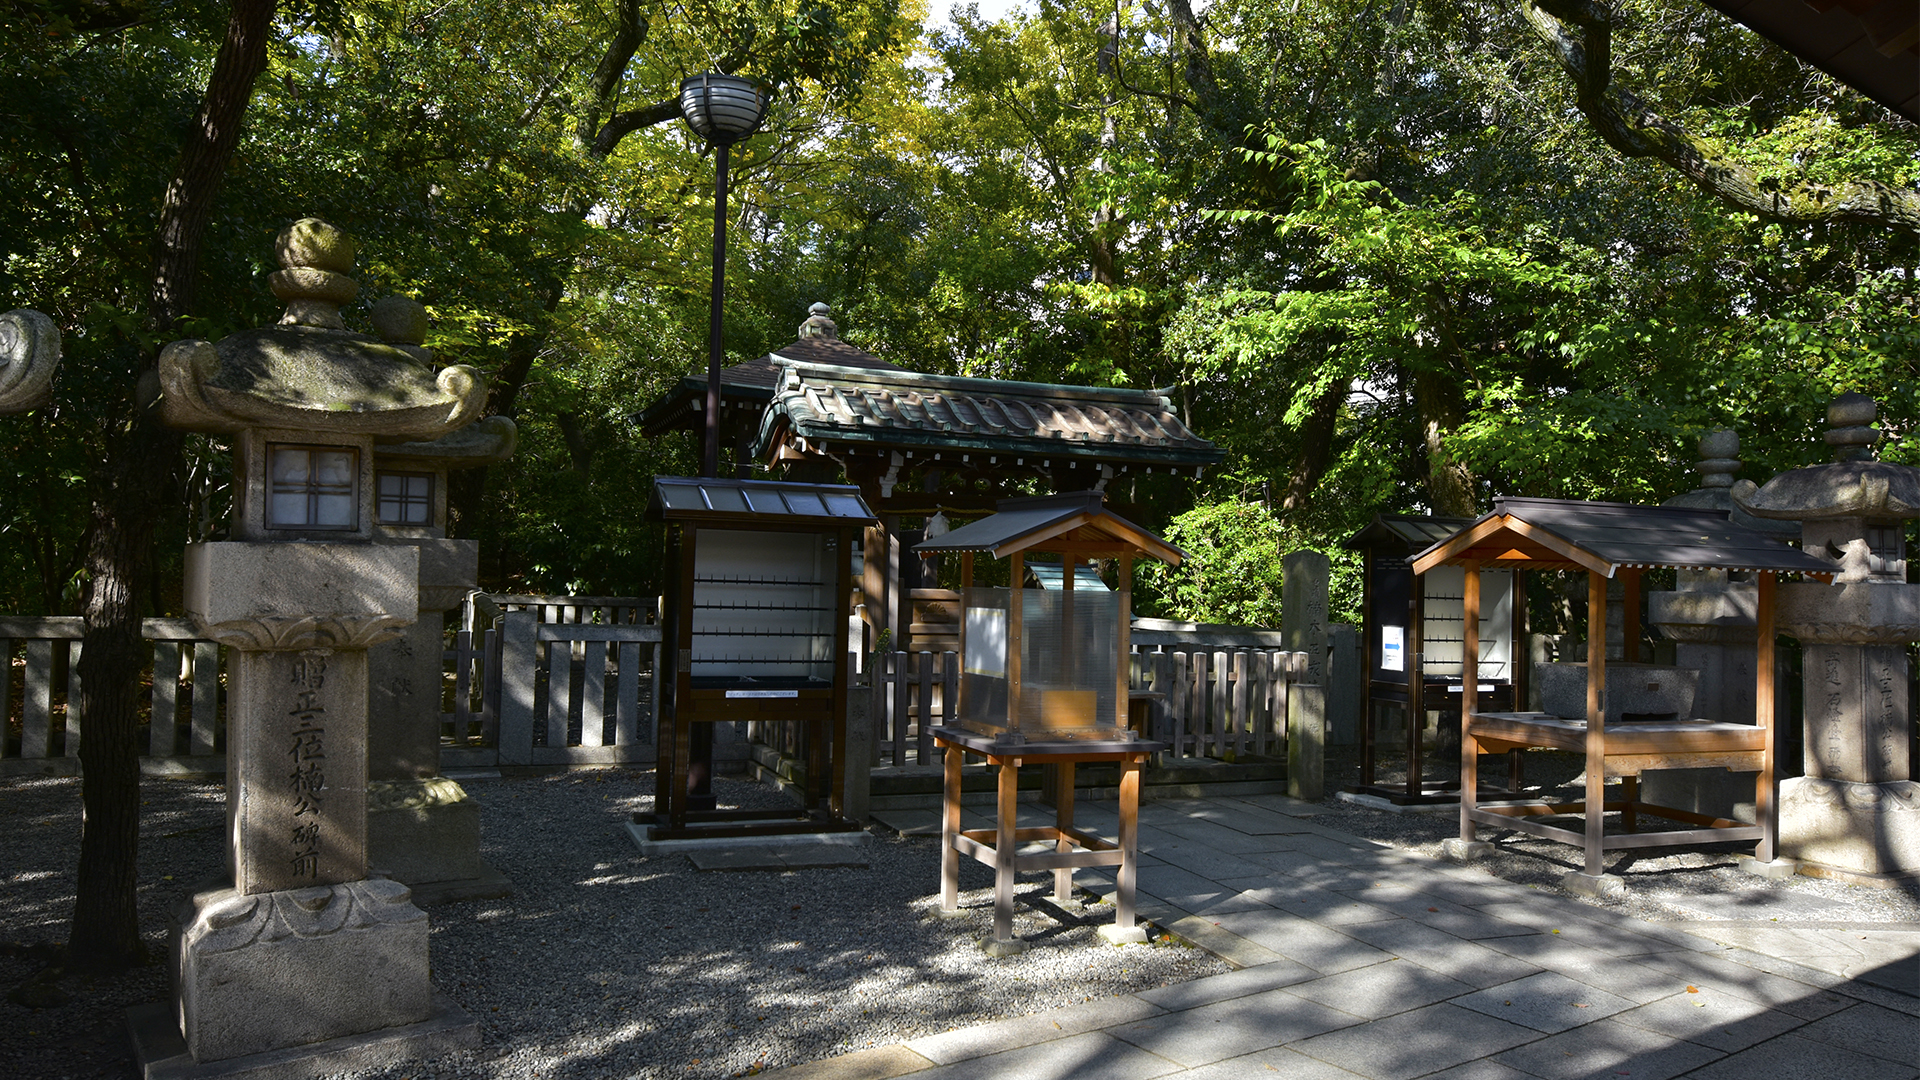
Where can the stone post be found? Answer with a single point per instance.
(1856, 812)
(1303, 608)
(1306, 741)
(300, 962)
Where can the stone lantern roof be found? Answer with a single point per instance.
(310, 373)
(1853, 486)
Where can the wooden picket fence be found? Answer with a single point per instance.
(185, 703)
(1228, 702)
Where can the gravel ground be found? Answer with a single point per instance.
(1685, 885)
(603, 962)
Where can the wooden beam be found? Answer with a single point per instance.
(1766, 808)
(1469, 697)
(1596, 738)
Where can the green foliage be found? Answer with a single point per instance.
(1233, 573)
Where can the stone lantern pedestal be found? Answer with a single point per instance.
(1855, 814)
(301, 962)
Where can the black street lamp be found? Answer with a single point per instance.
(721, 109)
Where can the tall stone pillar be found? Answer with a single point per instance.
(300, 962)
(1856, 812)
(423, 829)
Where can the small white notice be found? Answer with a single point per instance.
(986, 637)
(1393, 648)
(763, 693)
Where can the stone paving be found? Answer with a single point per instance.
(1358, 960)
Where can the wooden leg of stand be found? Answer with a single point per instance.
(1129, 843)
(950, 831)
(1630, 791)
(1003, 850)
(1063, 820)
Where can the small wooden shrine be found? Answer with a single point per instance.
(1044, 681)
(1631, 721)
(756, 626)
(1412, 633)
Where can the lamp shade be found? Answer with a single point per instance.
(722, 108)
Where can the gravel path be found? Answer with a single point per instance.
(604, 962)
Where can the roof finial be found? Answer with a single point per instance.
(315, 258)
(819, 323)
(1719, 458)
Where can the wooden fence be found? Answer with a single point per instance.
(184, 707)
(1224, 703)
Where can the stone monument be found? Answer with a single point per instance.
(1712, 616)
(1304, 581)
(423, 830)
(29, 356)
(1856, 812)
(300, 962)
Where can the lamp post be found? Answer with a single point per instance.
(721, 109)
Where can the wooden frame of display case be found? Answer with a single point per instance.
(1076, 526)
(712, 509)
(1603, 540)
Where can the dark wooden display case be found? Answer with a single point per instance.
(756, 615)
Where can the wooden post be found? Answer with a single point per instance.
(838, 749)
(1469, 698)
(1063, 820)
(1129, 841)
(1003, 849)
(950, 831)
(1596, 744)
(1016, 569)
(1766, 811)
(1371, 626)
(1520, 660)
(1416, 683)
(1630, 615)
(1123, 705)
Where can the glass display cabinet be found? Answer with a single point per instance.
(1044, 682)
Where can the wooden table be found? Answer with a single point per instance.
(1073, 847)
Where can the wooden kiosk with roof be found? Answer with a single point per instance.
(756, 624)
(1411, 631)
(1605, 540)
(1044, 681)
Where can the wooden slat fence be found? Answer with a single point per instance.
(552, 680)
(1220, 703)
(185, 701)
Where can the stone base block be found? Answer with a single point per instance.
(638, 832)
(1000, 950)
(1465, 851)
(1601, 886)
(1778, 868)
(160, 1052)
(1115, 934)
(425, 834)
(1871, 830)
(269, 971)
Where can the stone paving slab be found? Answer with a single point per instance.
(1233, 1028)
(1411, 1044)
(754, 857)
(1607, 1048)
(1545, 1001)
(1360, 961)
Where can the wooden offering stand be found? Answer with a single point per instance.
(1605, 540)
(756, 628)
(1044, 681)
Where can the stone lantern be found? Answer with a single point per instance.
(1856, 812)
(301, 956)
(29, 356)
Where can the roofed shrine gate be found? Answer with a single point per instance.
(920, 445)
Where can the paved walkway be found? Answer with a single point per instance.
(1357, 960)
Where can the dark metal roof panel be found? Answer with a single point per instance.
(1868, 44)
(1411, 531)
(765, 502)
(1624, 535)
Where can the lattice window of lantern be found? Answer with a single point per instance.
(405, 498)
(313, 487)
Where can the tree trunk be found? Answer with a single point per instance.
(1449, 482)
(1316, 447)
(139, 488)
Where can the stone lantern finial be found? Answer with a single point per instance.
(1851, 433)
(315, 258)
(29, 356)
(1719, 458)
